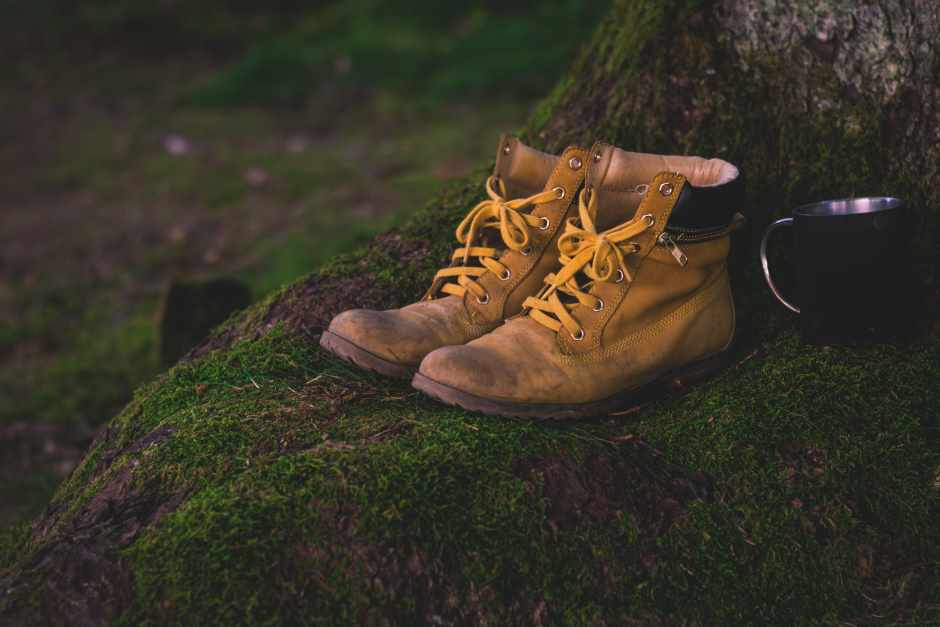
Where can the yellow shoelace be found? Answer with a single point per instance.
(599, 256)
(513, 225)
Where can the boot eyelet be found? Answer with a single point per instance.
(574, 163)
(505, 274)
(620, 276)
(666, 188)
(599, 306)
(525, 251)
(506, 149)
(486, 299)
(559, 191)
(597, 156)
(637, 248)
(577, 337)
(544, 224)
(649, 219)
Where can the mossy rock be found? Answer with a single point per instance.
(263, 481)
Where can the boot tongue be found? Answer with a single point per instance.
(620, 180)
(525, 172)
(523, 169)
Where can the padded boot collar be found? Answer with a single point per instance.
(707, 208)
(621, 179)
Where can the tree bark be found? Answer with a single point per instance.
(261, 480)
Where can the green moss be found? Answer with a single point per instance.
(274, 468)
(273, 463)
(437, 482)
(81, 478)
(818, 453)
(617, 49)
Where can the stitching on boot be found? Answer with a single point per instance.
(699, 301)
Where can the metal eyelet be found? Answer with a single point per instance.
(666, 189)
(597, 156)
(620, 276)
(486, 299)
(525, 251)
(543, 226)
(574, 163)
(649, 219)
(560, 192)
(506, 149)
(599, 306)
(505, 274)
(636, 247)
(577, 337)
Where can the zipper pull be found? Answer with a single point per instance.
(666, 240)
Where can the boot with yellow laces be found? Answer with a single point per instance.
(641, 296)
(508, 246)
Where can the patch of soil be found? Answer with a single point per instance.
(640, 484)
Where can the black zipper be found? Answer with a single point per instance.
(684, 234)
(671, 237)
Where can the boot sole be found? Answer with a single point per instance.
(347, 351)
(674, 382)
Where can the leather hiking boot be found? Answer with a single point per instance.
(508, 246)
(641, 296)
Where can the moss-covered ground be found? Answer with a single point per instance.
(799, 486)
(268, 482)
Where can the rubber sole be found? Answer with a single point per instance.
(347, 351)
(673, 382)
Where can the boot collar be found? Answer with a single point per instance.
(709, 200)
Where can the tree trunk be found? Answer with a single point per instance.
(261, 480)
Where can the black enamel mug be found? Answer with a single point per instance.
(850, 259)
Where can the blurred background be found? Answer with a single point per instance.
(150, 147)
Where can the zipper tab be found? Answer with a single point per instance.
(666, 240)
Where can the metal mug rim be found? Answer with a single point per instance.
(860, 205)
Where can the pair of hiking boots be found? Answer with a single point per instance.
(583, 279)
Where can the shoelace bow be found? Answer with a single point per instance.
(497, 212)
(601, 257)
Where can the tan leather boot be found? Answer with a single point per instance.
(508, 245)
(641, 296)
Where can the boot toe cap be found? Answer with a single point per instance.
(376, 332)
(469, 369)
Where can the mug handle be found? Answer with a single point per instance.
(766, 266)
